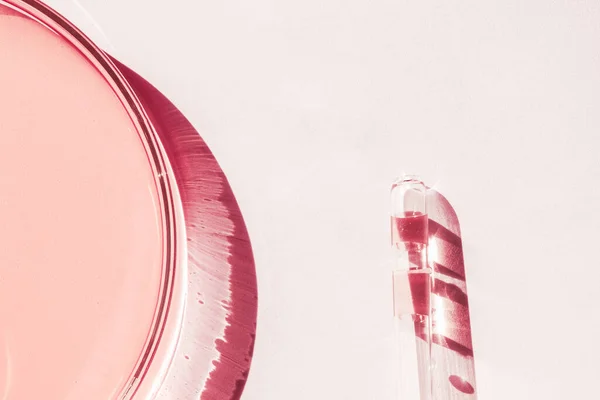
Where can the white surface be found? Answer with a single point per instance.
(313, 107)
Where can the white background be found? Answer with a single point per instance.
(313, 107)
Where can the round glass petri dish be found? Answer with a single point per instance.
(97, 296)
(91, 258)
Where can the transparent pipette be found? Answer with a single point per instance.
(411, 288)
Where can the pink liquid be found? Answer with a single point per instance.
(411, 227)
(81, 234)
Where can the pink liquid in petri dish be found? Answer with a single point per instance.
(82, 232)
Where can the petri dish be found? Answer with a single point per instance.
(124, 272)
